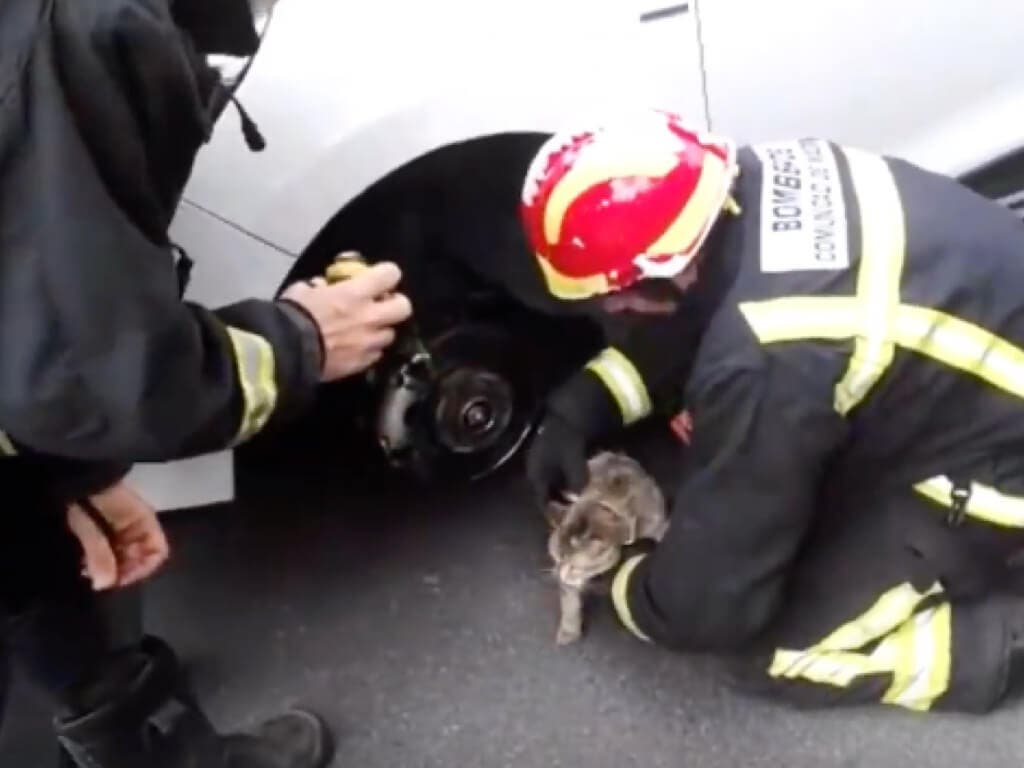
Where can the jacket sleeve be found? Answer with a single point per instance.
(100, 360)
(642, 369)
(747, 498)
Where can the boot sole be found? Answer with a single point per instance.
(327, 746)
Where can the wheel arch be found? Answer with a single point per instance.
(451, 183)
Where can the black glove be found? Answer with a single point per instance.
(578, 412)
(557, 460)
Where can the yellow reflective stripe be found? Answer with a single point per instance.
(835, 668)
(571, 288)
(941, 672)
(707, 198)
(620, 596)
(985, 503)
(883, 242)
(875, 318)
(962, 345)
(254, 362)
(929, 332)
(621, 378)
(802, 317)
(887, 613)
(914, 649)
(919, 655)
(869, 317)
(6, 446)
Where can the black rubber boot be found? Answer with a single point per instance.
(1012, 608)
(296, 739)
(140, 713)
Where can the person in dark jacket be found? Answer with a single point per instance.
(103, 107)
(849, 334)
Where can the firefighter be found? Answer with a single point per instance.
(103, 107)
(850, 340)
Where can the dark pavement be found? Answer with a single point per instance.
(422, 625)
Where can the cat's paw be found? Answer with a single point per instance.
(568, 635)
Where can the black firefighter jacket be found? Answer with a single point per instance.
(858, 327)
(103, 107)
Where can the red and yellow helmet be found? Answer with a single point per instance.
(608, 206)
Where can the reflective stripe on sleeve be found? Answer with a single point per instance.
(985, 503)
(883, 242)
(6, 446)
(254, 361)
(622, 380)
(620, 596)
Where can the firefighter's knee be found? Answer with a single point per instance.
(690, 617)
(735, 624)
(717, 625)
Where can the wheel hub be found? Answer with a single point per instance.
(473, 409)
(462, 417)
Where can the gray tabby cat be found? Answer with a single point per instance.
(620, 505)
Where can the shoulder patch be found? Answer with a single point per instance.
(803, 213)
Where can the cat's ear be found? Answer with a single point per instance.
(555, 512)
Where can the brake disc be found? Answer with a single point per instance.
(462, 416)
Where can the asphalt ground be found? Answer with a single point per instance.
(422, 625)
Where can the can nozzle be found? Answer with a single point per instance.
(345, 265)
(348, 264)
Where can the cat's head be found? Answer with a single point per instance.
(586, 539)
(620, 505)
(622, 483)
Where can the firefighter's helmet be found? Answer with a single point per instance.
(635, 198)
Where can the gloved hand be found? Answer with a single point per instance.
(557, 459)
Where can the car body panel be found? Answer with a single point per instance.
(228, 264)
(345, 93)
(939, 84)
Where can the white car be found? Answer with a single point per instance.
(403, 130)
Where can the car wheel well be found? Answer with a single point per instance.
(482, 174)
(450, 220)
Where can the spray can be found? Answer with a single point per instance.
(345, 265)
(348, 264)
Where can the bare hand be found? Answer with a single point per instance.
(131, 549)
(356, 317)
